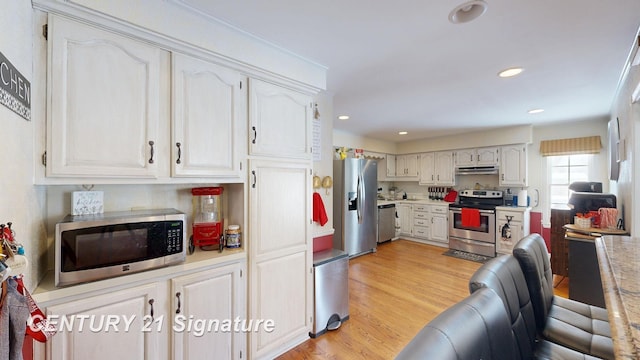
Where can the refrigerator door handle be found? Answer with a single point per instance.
(360, 199)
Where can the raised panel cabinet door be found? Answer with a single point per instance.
(213, 297)
(440, 228)
(280, 253)
(105, 103)
(104, 342)
(391, 165)
(280, 121)
(427, 169)
(209, 113)
(411, 163)
(513, 165)
(465, 157)
(488, 156)
(401, 165)
(405, 213)
(444, 168)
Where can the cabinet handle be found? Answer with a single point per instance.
(471, 157)
(151, 143)
(179, 153)
(151, 301)
(178, 296)
(478, 157)
(502, 177)
(253, 172)
(255, 134)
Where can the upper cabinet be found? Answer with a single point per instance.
(105, 102)
(513, 165)
(486, 156)
(407, 165)
(277, 118)
(437, 168)
(209, 117)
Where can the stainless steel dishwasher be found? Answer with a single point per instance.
(386, 222)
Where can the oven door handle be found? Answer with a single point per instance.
(459, 211)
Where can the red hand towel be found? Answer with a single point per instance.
(470, 217)
(319, 213)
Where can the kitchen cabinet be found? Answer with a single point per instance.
(405, 215)
(440, 223)
(518, 220)
(513, 165)
(216, 294)
(437, 168)
(391, 165)
(94, 128)
(143, 304)
(153, 318)
(407, 165)
(209, 119)
(280, 243)
(279, 121)
(485, 156)
(421, 221)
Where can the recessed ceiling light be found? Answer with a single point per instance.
(468, 11)
(510, 72)
(343, 117)
(402, 133)
(535, 111)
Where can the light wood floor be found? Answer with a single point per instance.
(393, 293)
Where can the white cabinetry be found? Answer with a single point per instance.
(513, 165)
(107, 99)
(209, 118)
(518, 220)
(440, 223)
(486, 156)
(437, 168)
(279, 120)
(407, 165)
(421, 221)
(152, 308)
(405, 214)
(281, 285)
(391, 165)
(217, 294)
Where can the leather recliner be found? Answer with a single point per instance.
(475, 328)
(567, 322)
(504, 276)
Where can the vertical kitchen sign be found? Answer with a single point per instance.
(15, 89)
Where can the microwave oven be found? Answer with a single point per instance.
(100, 246)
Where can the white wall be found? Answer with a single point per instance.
(22, 203)
(628, 114)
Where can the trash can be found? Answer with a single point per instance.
(331, 290)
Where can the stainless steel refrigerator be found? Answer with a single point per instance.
(355, 209)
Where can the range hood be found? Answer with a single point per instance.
(477, 170)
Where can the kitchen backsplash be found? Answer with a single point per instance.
(462, 182)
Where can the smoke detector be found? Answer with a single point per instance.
(468, 11)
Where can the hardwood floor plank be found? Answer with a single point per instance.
(393, 293)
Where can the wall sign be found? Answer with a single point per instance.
(15, 89)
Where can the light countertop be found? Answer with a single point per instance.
(619, 261)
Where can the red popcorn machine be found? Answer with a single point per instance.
(208, 222)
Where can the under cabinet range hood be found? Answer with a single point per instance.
(477, 170)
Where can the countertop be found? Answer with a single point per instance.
(413, 201)
(619, 261)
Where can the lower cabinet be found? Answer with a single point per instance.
(440, 223)
(424, 222)
(405, 214)
(511, 226)
(421, 221)
(189, 316)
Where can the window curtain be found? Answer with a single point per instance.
(574, 146)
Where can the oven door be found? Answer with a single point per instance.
(486, 232)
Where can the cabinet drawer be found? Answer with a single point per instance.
(421, 232)
(424, 208)
(421, 222)
(517, 216)
(439, 209)
(420, 215)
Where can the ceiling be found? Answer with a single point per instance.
(402, 66)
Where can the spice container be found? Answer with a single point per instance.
(233, 236)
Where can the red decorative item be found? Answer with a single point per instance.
(451, 196)
(207, 220)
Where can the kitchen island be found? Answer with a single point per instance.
(619, 261)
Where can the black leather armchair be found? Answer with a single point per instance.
(567, 322)
(475, 328)
(504, 276)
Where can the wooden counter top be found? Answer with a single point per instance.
(619, 261)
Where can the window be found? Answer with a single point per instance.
(563, 171)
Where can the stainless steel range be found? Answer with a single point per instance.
(472, 221)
